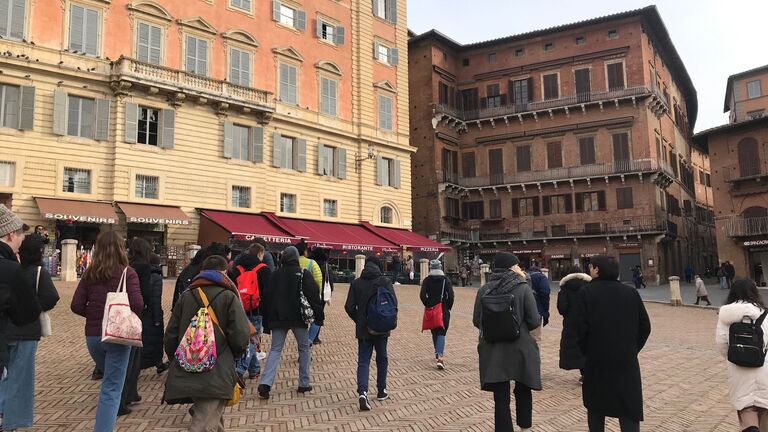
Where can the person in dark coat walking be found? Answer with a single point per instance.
(613, 328)
(152, 319)
(397, 267)
(517, 361)
(571, 356)
(321, 258)
(360, 293)
(190, 271)
(730, 273)
(541, 291)
(436, 288)
(281, 312)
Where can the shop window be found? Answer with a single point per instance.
(7, 173)
(386, 215)
(241, 196)
(287, 203)
(147, 186)
(330, 208)
(77, 180)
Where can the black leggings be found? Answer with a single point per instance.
(523, 406)
(597, 423)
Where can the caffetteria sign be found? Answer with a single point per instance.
(80, 218)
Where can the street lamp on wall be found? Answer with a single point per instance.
(360, 158)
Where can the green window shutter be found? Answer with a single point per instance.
(341, 172)
(275, 10)
(228, 138)
(340, 31)
(76, 26)
(59, 112)
(301, 155)
(320, 158)
(101, 132)
(277, 149)
(27, 108)
(168, 117)
(257, 144)
(130, 134)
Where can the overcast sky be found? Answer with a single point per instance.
(715, 38)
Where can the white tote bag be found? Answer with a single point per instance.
(120, 325)
(45, 319)
(327, 291)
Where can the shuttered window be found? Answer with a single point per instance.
(452, 208)
(551, 87)
(493, 97)
(494, 208)
(239, 67)
(615, 76)
(557, 204)
(387, 172)
(523, 154)
(624, 198)
(84, 28)
(330, 32)
(241, 4)
(80, 117)
(385, 113)
(468, 164)
(587, 150)
(10, 104)
(197, 55)
(149, 43)
(288, 84)
(147, 186)
(289, 16)
(525, 207)
(327, 160)
(590, 201)
(240, 142)
(77, 180)
(328, 96)
(241, 196)
(554, 154)
(287, 203)
(148, 126)
(385, 9)
(13, 18)
(473, 210)
(621, 147)
(7, 173)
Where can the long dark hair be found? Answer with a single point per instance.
(745, 290)
(31, 251)
(108, 254)
(140, 251)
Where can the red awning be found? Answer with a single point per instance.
(332, 235)
(409, 239)
(247, 227)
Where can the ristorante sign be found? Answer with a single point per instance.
(80, 218)
(157, 221)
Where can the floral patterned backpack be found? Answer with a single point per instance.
(197, 349)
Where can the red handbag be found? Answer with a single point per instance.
(433, 316)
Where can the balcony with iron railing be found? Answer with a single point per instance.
(175, 80)
(745, 170)
(745, 227)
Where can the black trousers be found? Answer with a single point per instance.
(597, 423)
(523, 406)
(130, 388)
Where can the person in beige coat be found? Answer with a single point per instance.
(747, 387)
(701, 291)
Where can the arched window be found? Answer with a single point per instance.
(754, 212)
(749, 157)
(386, 215)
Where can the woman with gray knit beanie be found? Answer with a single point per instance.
(436, 289)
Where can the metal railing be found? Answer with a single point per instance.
(566, 173)
(127, 67)
(743, 227)
(745, 170)
(520, 108)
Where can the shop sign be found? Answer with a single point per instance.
(157, 221)
(425, 249)
(628, 245)
(557, 256)
(488, 251)
(756, 243)
(268, 239)
(361, 248)
(589, 255)
(526, 251)
(322, 245)
(77, 218)
(390, 250)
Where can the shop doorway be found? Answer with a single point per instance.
(155, 237)
(758, 264)
(85, 234)
(627, 262)
(558, 268)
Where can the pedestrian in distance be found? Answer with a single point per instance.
(281, 305)
(637, 277)
(571, 357)
(688, 273)
(17, 392)
(701, 291)
(313, 267)
(541, 291)
(613, 328)
(505, 313)
(209, 390)
(747, 386)
(152, 320)
(102, 277)
(730, 273)
(365, 299)
(721, 275)
(397, 267)
(463, 275)
(409, 268)
(436, 289)
(321, 258)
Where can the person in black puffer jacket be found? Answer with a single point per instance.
(152, 319)
(571, 356)
(436, 288)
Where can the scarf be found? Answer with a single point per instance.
(213, 277)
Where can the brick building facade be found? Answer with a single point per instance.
(558, 145)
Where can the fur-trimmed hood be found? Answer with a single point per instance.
(735, 312)
(576, 276)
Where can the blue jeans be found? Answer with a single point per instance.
(439, 342)
(113, 360)
(723, 282)
(276, 351)
(314, 332)
(365, 349)
(249, 361)
(17, 392)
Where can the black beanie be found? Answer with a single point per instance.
(504, 260)
(376, 260)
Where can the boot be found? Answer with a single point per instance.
(751, 429)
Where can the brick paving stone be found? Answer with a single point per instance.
(685, 379)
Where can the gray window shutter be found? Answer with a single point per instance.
(228, 138)
(394, 56)
(301, 19)
(340, 35)
(102, 120)
(277, 149)
(257, 148)
(301, 153)
(234, 65)
(320, 158)
(395, 178)
(245, 68)
(392, 12)
(319, 28)
(92, 32)
(59, 112)
(142, 45)
(191, 54)
(17, 19)
(5, 10)
(202, 57)
(379, 170)
(375, 50)
(168, 117)
(130, 134)
(276, 10)
(155, 44)
(76, 26)
(342, 169)
(27, 108)
(376, 6)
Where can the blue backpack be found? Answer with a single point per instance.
(382, 312)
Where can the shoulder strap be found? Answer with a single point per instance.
(259, 267)
(207, 305)
(442, 291)
(37, 280)
(760, 320)
(241, 269)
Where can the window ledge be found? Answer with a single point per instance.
(327, 42)
(5, 130)
(145, 147)
(240, 162)
(383, 20)
(287, 27)
(77, 140)
(383, 63)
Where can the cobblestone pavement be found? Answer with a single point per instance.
(684, 380)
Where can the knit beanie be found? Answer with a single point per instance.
(9, 222)
(504, 260)
(435, 265)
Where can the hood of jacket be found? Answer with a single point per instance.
(290, 256)
(575, 277)
(534, 269)
(735, 312)
(6, 252)
(156, 269)
(213, 277)
(371, 271)
(249, 261)
(506, 281)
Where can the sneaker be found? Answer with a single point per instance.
(364, 405)
(97, 374)
(317, 341)
(382, 395)
(123, 411)
(305, 389)
(263, 390)
(440, 364)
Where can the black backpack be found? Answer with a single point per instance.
(745, 342)
(500, 319)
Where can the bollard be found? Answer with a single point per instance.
(423, 269)
(68, 260)
(359, 265)
(674, 291)
(484, 270)
(192, 250)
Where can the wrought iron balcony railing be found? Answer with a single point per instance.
(745, 227)
(748, 169)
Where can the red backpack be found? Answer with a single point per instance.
(248, 286)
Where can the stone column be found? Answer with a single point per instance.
(674, 291)
(68, 260)
(359, 264)
(423, 269)
(484, 270)
(192, 250)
